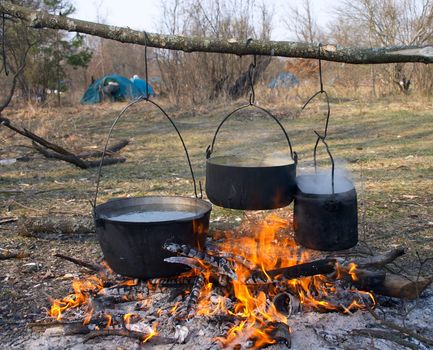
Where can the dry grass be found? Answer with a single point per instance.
(387, 145)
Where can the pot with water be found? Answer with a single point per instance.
(132, 231)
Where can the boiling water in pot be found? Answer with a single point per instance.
(153, 216)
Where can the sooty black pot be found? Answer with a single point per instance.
(326, 221)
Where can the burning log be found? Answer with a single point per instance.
(222, 265)
(191, 262)
(172, 281)
(361, 278)
(238, 259)
(318, 267)
(187, 310)
(128, 291)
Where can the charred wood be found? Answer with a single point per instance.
(119, 293)
(222, 265)
(361, 278)
(190, 262)
(155, 340)
(172, 281)
(318, 267)
(286, 304)
(187, 310)
(280, 332)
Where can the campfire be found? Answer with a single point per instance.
(251, 284)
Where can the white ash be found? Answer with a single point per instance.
(310, 330)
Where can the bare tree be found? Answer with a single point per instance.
(182, 74)
(301, 21)
(387, 23)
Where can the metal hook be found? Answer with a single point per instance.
(321, 138)
(251, 71)
(320, 67)
(145, 65)
(4, 45)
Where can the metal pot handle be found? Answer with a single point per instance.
(321, 138)
(141, 98)
(210, 148)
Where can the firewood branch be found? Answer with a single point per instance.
(53, 151)
(329, 52)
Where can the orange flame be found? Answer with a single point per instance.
(152, 333)
(80, 296)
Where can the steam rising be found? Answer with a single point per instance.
(321, 183)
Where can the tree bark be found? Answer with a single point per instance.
(329, 52)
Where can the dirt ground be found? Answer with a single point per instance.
(386, 146)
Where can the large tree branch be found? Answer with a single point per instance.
(40, 19)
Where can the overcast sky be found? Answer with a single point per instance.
(145, 14)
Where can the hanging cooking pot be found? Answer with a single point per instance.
(247, 183)
(132, 231)
(325, 210)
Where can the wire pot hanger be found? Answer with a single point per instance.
(147, 99)
(251, 103)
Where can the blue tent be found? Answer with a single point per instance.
(126, 90)
(141, 85)
(284, 80)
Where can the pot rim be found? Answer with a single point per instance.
(237, 166)
(204, 208)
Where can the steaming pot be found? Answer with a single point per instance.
(132, 231)
(242, 183)
(325, 216)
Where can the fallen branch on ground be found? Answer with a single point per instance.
(8, 219)
(401, 329)
(380, 260)
(83, 164)
(88, 265)
(109, 152)
(53, 151)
